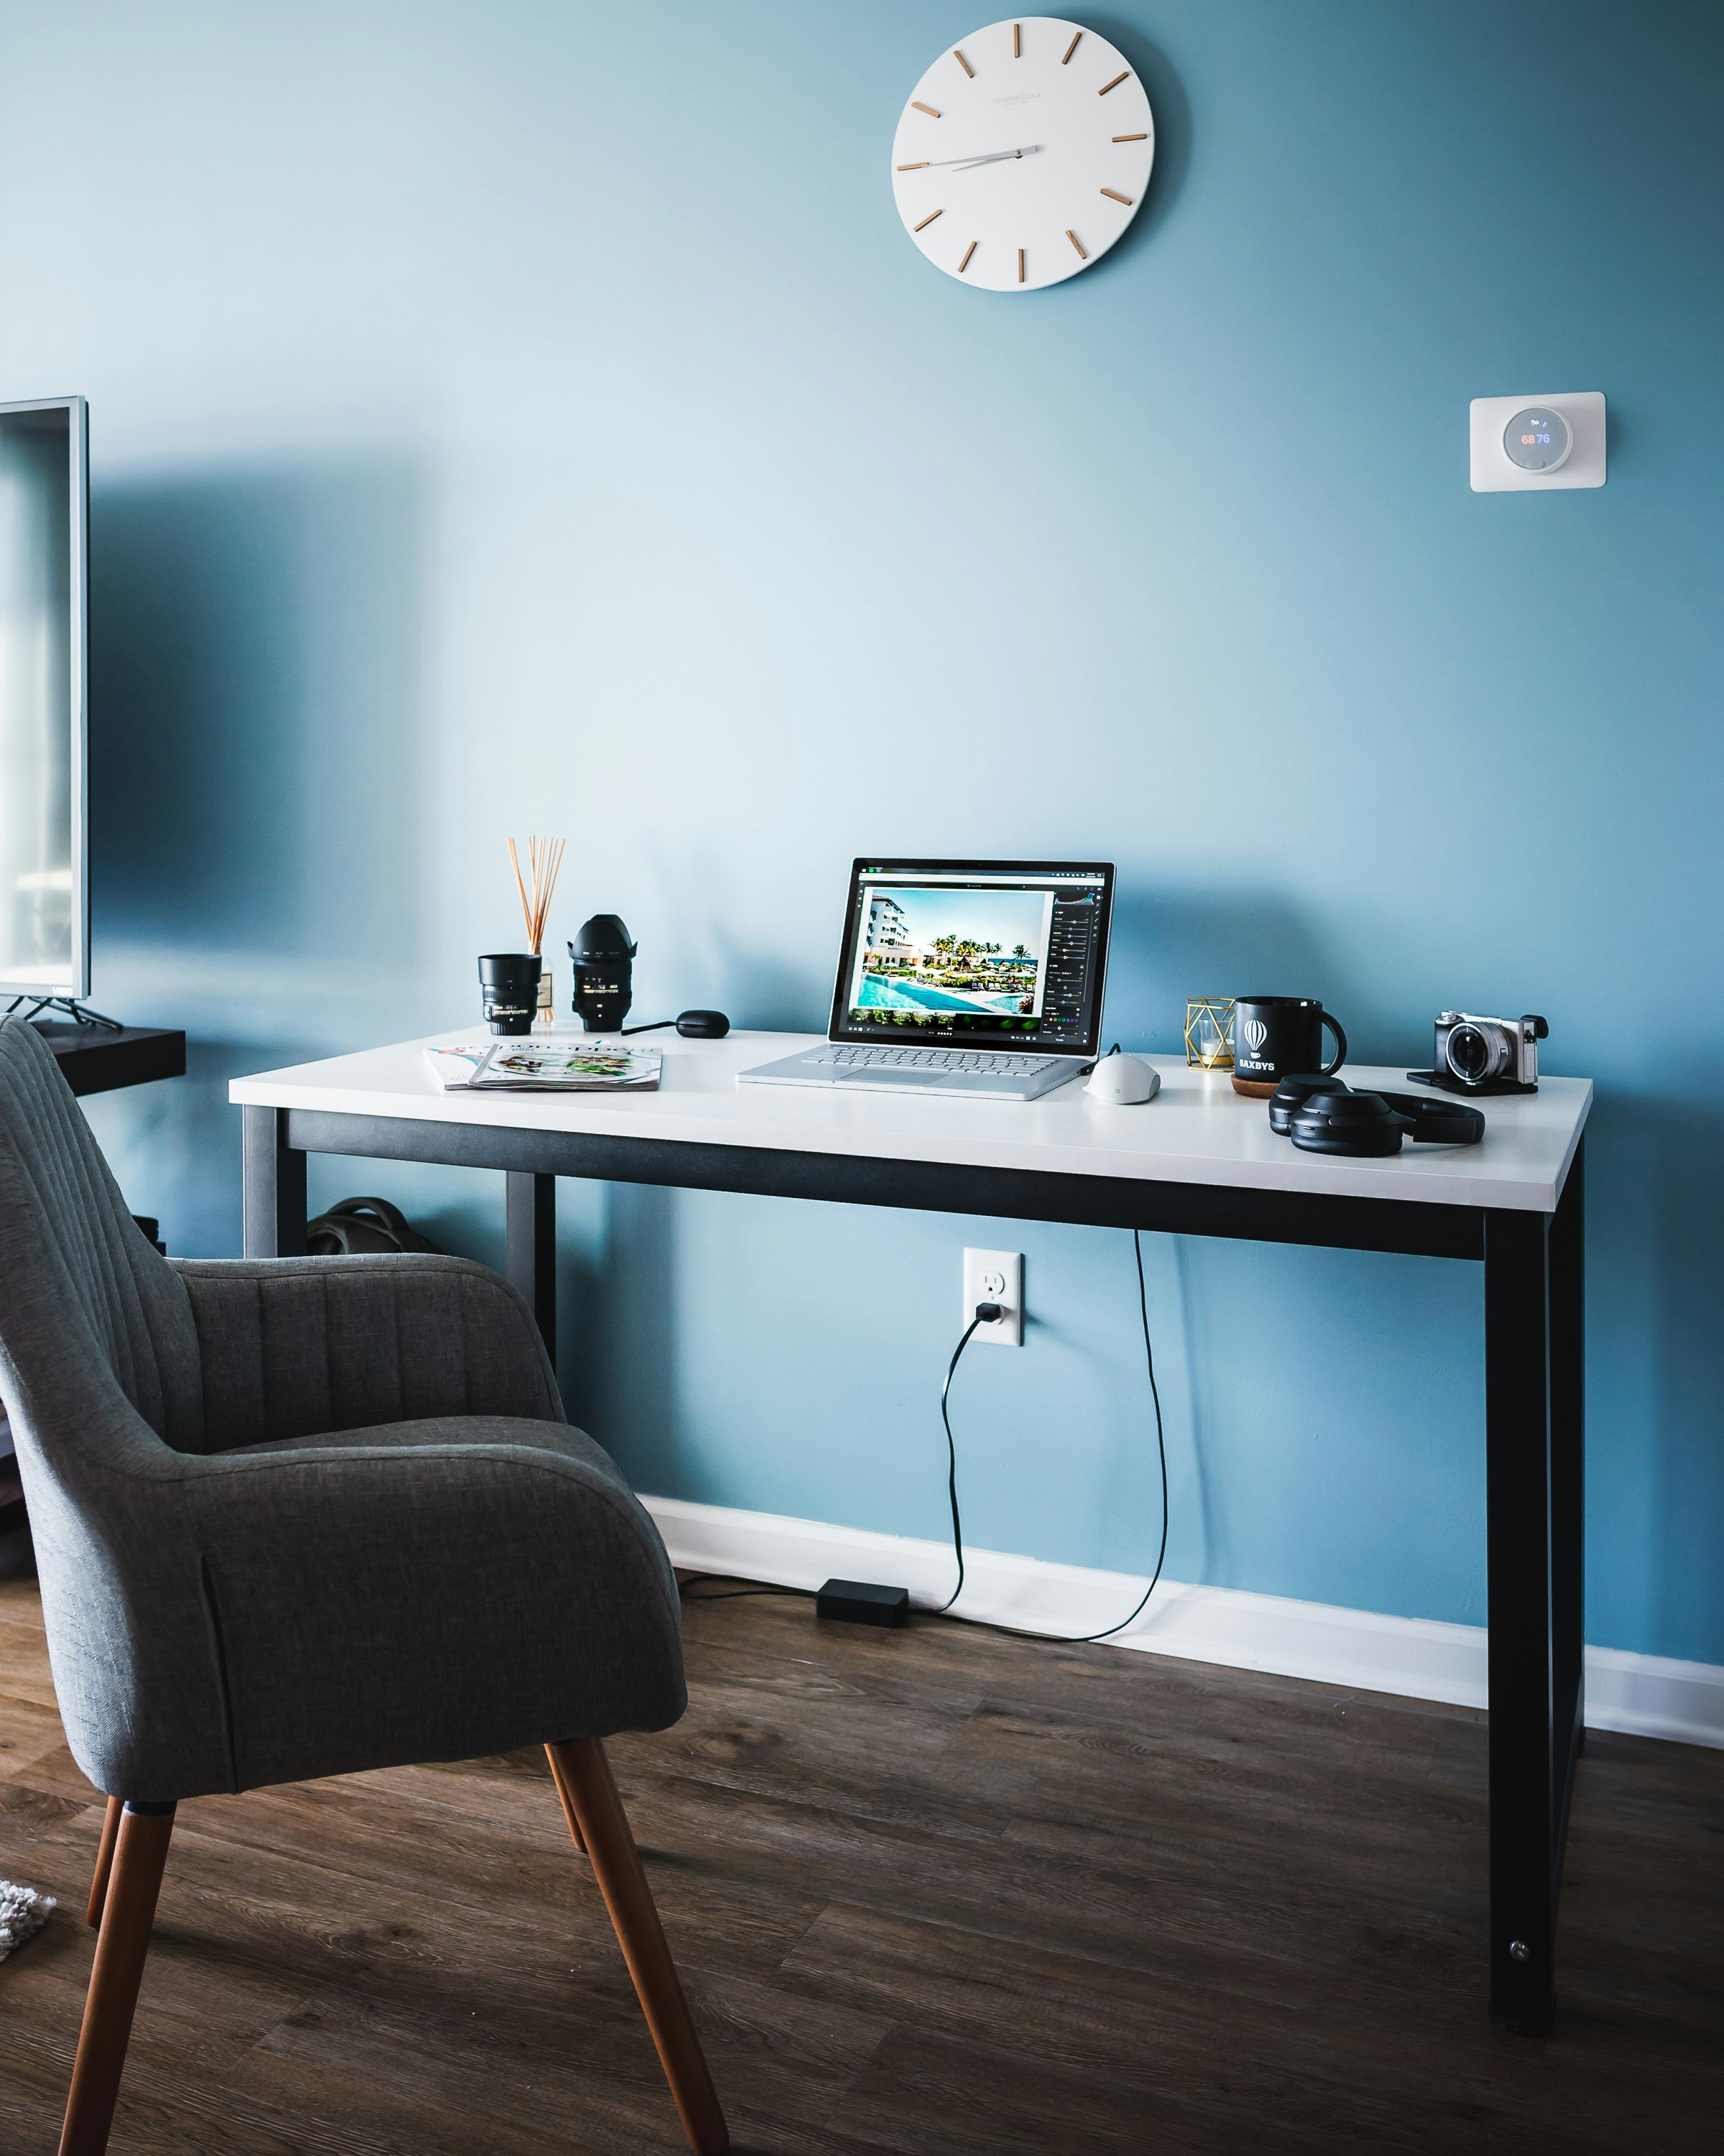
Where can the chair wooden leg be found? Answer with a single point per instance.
(585, 1773)
(140, 1852)
(104, 1864)
(565, 1799)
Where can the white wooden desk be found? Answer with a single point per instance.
(1199, 1161)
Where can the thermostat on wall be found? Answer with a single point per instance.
(1520, 444)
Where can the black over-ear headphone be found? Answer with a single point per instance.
(1322, 1115)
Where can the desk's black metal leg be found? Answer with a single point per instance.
(273, 1191)
(1568, 1304)
(530, 1246)
(1524, 1806)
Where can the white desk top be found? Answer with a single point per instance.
(1198, 1130)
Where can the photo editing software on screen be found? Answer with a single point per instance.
(987, 956)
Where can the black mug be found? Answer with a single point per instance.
(509, 981)
(1273, 1036)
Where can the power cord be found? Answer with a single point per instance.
(988, 1313)
(731, 1595)
(985, 1313)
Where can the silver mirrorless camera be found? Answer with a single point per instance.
(1494, 1054)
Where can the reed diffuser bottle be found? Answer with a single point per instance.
(544, 858)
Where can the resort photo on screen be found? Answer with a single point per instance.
(934, 950)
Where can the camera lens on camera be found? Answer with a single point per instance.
(1471, 1054)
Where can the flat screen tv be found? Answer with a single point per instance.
(44, 553)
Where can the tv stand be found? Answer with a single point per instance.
(100, 1059)
(73, 1014)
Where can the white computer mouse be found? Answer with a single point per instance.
(1122, 1080)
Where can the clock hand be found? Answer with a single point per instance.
(991, 157)
(969, 164)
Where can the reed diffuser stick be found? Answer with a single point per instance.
(544, 858)
(514, 863)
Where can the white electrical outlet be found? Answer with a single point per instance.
(995, 1276)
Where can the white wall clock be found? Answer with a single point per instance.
(1022, 154)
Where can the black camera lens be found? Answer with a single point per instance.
(1470, 1053)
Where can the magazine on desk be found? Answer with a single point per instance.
(542, 1066)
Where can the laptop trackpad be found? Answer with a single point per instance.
(931, 1081)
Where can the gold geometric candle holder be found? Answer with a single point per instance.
(1208, 1033)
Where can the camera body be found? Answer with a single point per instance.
(1488, 1054)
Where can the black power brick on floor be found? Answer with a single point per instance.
(861, 1602)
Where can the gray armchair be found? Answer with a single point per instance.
(305, 1517)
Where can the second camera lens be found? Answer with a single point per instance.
(1469, 1053)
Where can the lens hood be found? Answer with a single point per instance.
(603, 941)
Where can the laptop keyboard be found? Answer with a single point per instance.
(934, 1059)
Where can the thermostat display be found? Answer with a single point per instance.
(1538, 440)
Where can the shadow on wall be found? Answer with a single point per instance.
(255, 772)
(1172, 109)
(174, 1148)
(1169, 945)
(625, 1364)
(257, 812)
(764, 990)
(1688, 1356)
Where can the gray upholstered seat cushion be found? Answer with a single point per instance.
(300, 1517)
(431, 1589)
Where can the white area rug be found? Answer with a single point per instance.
(22, 1914)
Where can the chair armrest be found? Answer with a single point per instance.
(294, 1346)
(378, 1605)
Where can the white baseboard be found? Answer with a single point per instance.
(1643, 1695)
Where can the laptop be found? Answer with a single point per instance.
(980, 979)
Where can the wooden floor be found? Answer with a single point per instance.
(934, 1890)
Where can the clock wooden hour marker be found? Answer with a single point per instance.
(1022, 160)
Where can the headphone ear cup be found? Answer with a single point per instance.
(1437, 1122)
(1361, 1126)
(1291, 1095)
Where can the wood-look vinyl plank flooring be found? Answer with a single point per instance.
(935, 1892)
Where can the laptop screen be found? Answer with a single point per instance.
(980, 954)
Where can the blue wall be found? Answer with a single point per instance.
(515, 416)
